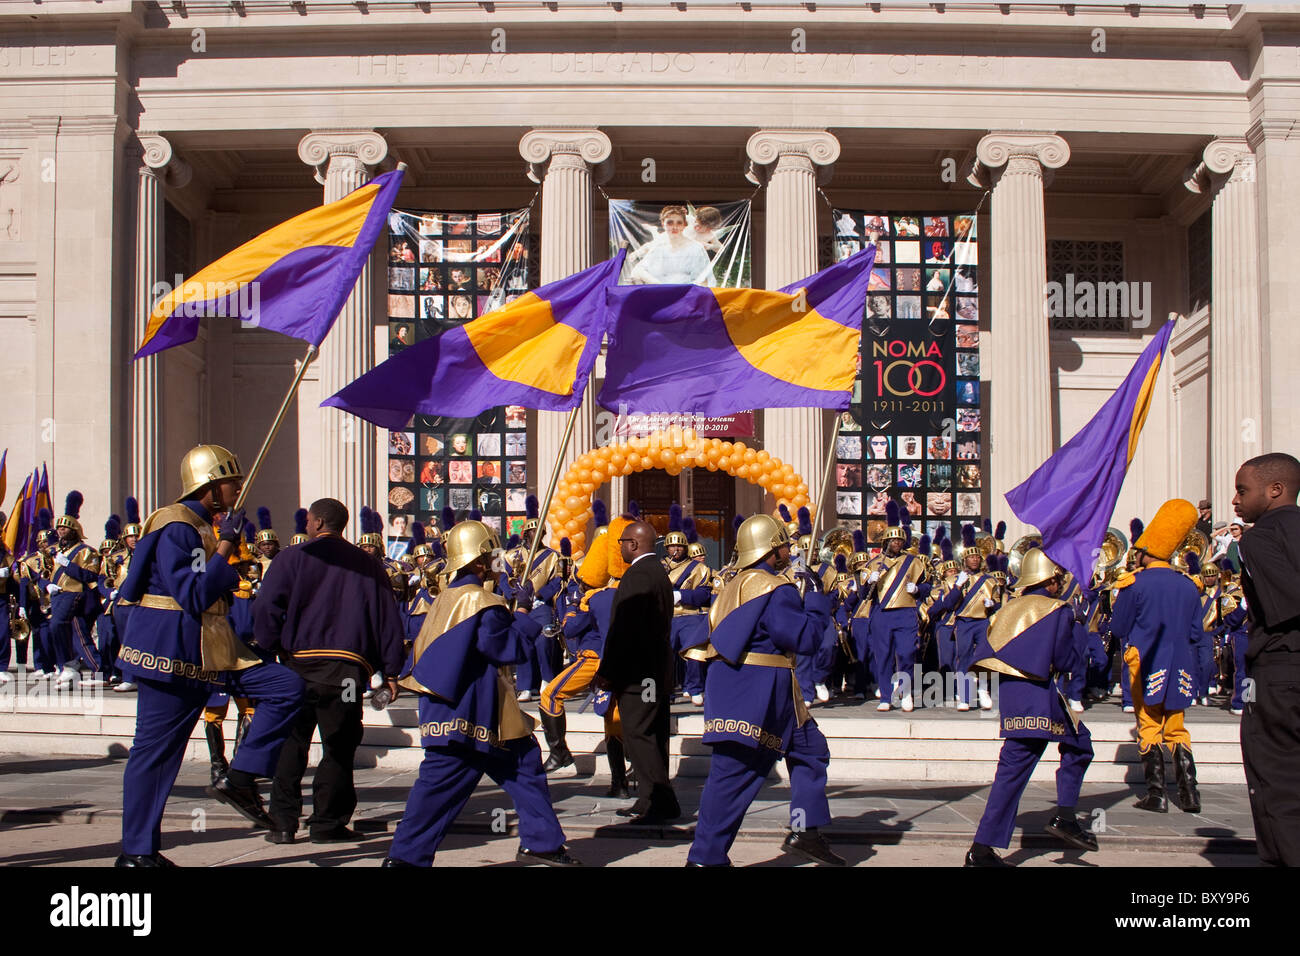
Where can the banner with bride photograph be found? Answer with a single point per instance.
(445, 269)
(682, 243)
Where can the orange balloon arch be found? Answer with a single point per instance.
(672, 450)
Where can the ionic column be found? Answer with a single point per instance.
(347, 443)
(154, 154)
(562, 161)
(792, 163)
(1019, 434)
(1227, 172)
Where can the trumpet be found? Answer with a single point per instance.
(18, 626)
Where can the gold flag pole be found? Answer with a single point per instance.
(310, 357)
(826, 475)
(550, 491)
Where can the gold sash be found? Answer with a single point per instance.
(222, 650)
(1016, 617)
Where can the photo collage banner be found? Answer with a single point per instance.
(914, 433)
(445, 269)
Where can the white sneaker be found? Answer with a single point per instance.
(963, 706)
(68, 676)
(986, 702)
(823, 692)
(1128, 709)
(524, 696)
(907, 703)
(5, 678)
(697, 700)
(1205, 702)
(1076, 706)
(1235, 713)
(39, 674)
(883, 707)
(124, 688)
(94, 682)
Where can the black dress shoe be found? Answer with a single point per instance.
(389, 862)
(280, 836)
(558, 857)
(559, 757)
(1070, 831)
(152, 859)
(618, 792)
(811, 845)
(337, 835)
(246, 800)
(984, 856)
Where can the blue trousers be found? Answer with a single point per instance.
(1238, 639)
(42, 652)
(65, 610)
(737, 773)
(1203, 660)
(945, 640)
(1016, 763)
(540, 665)
(968, 634)
(892, 636)
(164, 719)
(1099, 661)
(1125, 688)
(106, 631)
(448, 776)
(693, 679)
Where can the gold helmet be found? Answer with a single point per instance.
(1037, 568)
(894, 527)
(695, 550)
(758, 536)
(676, 528)
(298, 539)
(1209, 570)
(676, 538)
(466, 542)
(858, 560)
(267, 534)
(204, 464)
(133, 527)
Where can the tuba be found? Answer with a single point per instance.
(1195, 541)
(1023, 546)
(1110, 558)
(835, 541)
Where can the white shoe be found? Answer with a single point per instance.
(807, 704)
(823, 692)
(5, 678)
(697, 700)
(94, 682)
(963, 706)
(907, 703)
(124, 688)
(986, 702)
(68, 676)
(1205, 702)
(368, 694)
(1235, 713)
(524, 696)
(883, 707)
(1076, 706)
(39, 674)
(877, 693)
(1128, 709)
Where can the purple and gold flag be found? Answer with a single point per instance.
(293, 278)
(536, 351)
(1072, 495)
(693, 349)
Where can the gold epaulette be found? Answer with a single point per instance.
(1125, 579)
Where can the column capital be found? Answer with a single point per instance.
(810, 148)
(156, 153)
(1224, 160)
(320, 147)
(1035, 151)
(566, 146)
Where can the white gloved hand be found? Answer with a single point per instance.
(911, 587)
(413, 580)
(22, 613)
(988, 602)
(4, 573)
(875, 576)
(538, 602)
(52, 589)
(61, 560)
(962, 578)
(677, 598)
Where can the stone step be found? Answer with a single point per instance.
(864, 745)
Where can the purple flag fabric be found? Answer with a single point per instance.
(710, 351)
(1071, 497)
(536, 351)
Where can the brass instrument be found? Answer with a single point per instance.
(835, 541)
(19, 629)
(985, 543)
(1023, 546)
(1110, 558)
(1195, 541)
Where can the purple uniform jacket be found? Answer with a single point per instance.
(1160, 615)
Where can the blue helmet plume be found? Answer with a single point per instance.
(674, 517)
(804, 517)
(300, 521)
(264, 519)
(132, 510)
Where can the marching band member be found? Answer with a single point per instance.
(267, 543)
(942, 610)
(1235, 634)
(1206, 579)
(753, 713)
(692, 583)
(980, 599)
(423, 581)
(106, 640)
(36, 569)
(76, 568)
(218, 705)
(1035, 641)
(895, 580)
(299, 527)
(470, 722)
(13, 610)
(544, 578)
(1157, 611)
(121, 606)
(178, 644)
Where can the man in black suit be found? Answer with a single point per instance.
(637, 668)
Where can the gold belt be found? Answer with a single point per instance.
(786, 661)
(163, 602)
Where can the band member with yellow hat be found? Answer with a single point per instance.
(1157, 611)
